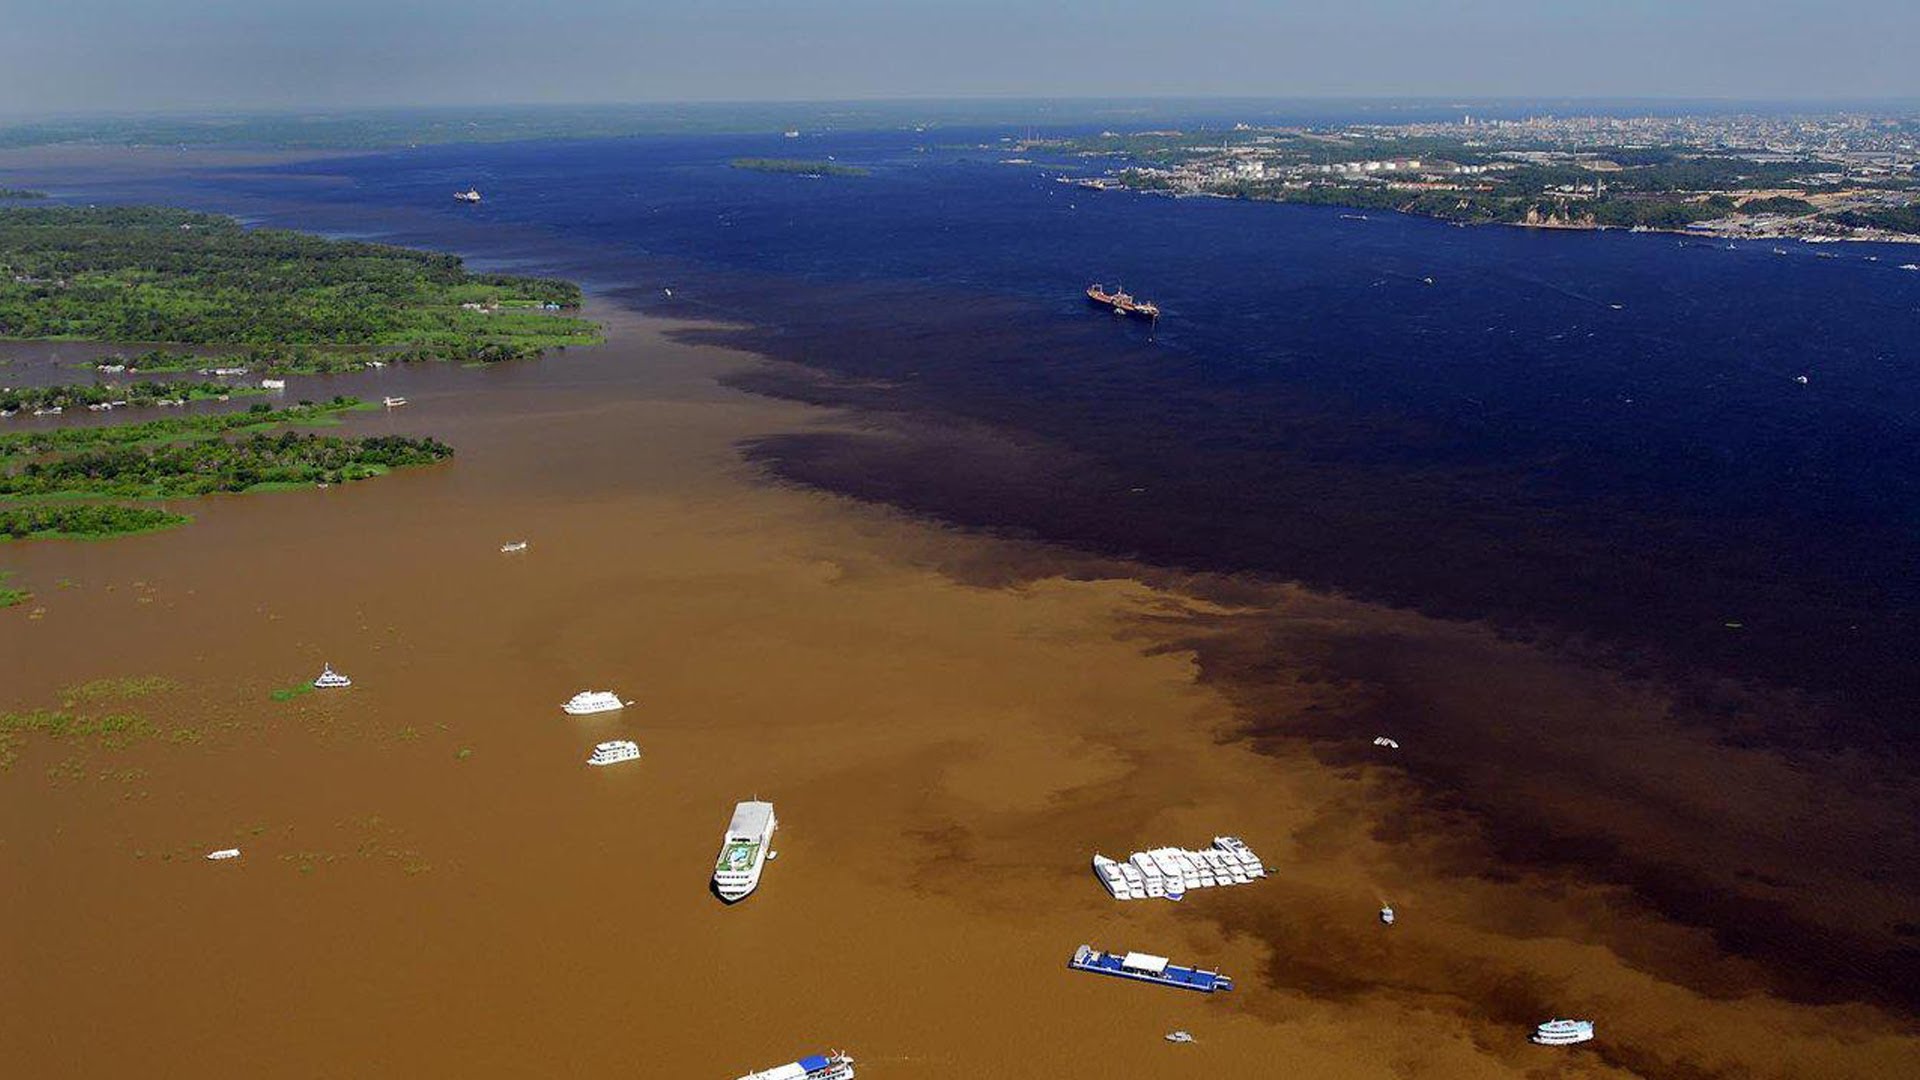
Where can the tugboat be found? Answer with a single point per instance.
(832, 1065)
(1563, 1032)
(471, 195)
(1120, 302)
(330, 679)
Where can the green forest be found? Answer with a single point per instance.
(136, 394)
(152, 274)
(172, 470)
(78, 520)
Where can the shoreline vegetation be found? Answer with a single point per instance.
(20, 193)
(798, 167)
(52, 481)
(107, 396)
(287, 301)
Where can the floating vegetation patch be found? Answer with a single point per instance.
(121, 688)
(288, 693)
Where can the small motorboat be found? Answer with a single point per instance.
(471, 195)
(1386, 915)
(1382, 740)
(512, 546)
(1179, 1036)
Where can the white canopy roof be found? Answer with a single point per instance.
(1147, 962)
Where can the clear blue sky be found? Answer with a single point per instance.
(67, 55)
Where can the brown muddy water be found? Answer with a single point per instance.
(435, 884)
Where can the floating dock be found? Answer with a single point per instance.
(1170, 873)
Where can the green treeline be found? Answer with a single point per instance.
(151, 274)
(798, 167)
(207, 426)
(1777, 204)
(80, 395)
(1904, 219)
(81, 520)
(20, 193)
(203, 468)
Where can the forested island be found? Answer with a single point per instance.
(43, 472)
(798, 167)
(140, 394)
(292, 301)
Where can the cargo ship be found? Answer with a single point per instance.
(1146, 967)
(833, 1065)
(1121, 302)
(743, 852)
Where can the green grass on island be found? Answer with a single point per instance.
(80, 521)
(140, 394)
(10, 596)
(257, 417)
(203, 467)
(50, 480)
(164, 275)
(798, 167)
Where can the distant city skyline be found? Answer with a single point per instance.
(89, 55)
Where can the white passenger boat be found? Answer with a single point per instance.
(512, 546)
(1170, 873)
(588, 702)
(832, 1065)
(330, 679)
(1563, 1032)
(224, 853)
(273, 384)
(1382, 740)
(393, 402)
(471, 195)
(615, 752)
(1386, 915)
(1179, 1036)
(743, 851)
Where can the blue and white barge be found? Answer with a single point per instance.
(829, 1066)
(1148, 968)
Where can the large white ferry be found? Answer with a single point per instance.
(615, 752)
(833, 1065)
(1563, 1032)
(743, 852)
(1168, 873)
(588, 702)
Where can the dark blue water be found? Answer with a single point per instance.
(1601, 435)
